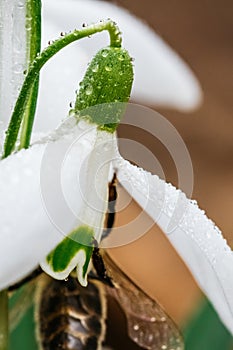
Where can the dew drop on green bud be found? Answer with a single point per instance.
(121, 58)
(108, 68)
(95, 68)
(105, 53)
(89, 90)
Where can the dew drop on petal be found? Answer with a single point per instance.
(18, 68)
(106, 146)
(82, 125)
(20, 4)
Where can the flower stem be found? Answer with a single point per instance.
(3, 320)
(38, 63)
(33, 25)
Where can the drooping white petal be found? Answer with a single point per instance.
(198, 241)
(12, 54)
(40, 197)
(161, 77)
(90, 221)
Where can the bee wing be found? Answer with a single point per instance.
(148, 324)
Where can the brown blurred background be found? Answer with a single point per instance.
(201, 32)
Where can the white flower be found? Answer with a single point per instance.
(31, 226)
(34, 214)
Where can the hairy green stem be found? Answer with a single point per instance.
(3, 320)
(38, 63)
(33, 26)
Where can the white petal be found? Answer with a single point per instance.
(161, 77)
(58, 81)
(198, 241)
(93, 184)
(40, 198)
(12, 54)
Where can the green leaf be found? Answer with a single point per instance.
(23, 337)
(206, 332)
(3, 319)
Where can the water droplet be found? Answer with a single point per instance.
(89, 90)
(66, 279)
(106, 147)
(20, 4)
(62, 34)
(95, 68)
(105, 53)
(136, 327)
(164, 347)
(108, 68)
(50, 42)
(25, 71)
(71, 112)
(71, 104)
(18, 68)
(153, 319)
(82, 125)
(84, 25)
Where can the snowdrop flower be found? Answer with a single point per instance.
(28, 233)
(77, 159)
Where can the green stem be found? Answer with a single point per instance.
(38, 63)
(33, 25)
(3, 320)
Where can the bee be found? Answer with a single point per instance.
(69, 316)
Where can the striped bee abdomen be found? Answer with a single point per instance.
(69, 316)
